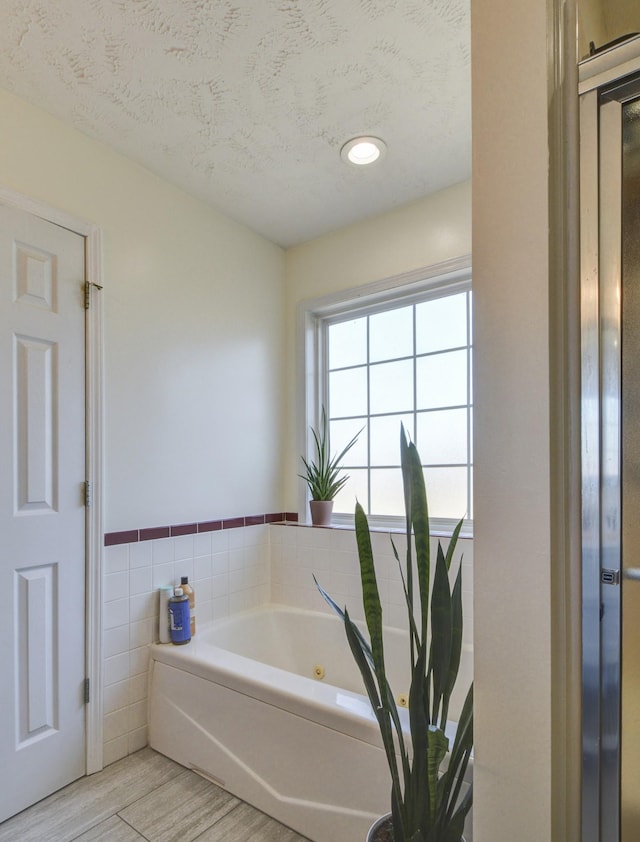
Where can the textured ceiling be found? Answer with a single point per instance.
(246, 103)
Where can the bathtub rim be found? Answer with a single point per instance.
(336, 708)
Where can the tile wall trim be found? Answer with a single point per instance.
(133, 536)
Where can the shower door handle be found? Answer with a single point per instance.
(632, 573)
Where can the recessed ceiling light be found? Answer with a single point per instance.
(363, 150)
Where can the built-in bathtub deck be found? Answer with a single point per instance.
(145, 796)
(241, 705)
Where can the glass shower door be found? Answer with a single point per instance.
(610, 316)
(630, 474)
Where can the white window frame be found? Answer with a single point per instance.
(451, 276)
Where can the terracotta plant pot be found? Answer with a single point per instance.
(381, 830)
(321, 512)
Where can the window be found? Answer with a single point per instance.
(402, 355)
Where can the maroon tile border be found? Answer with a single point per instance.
(154, 532)
(132, 536)
(128, 537)
(184, 529)
(210, 526)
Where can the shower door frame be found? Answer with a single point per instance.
(606, 82)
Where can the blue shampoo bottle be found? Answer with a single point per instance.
(180, 627)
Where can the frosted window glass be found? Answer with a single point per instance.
(442, 436)
(446, 491)
(385, 438)
(391, 387)
(348, 391)
(391, 334)
(341, 433)
(355, 489)
(442, 380)
(387, 495)
(441, 323)
(348, 343)
(408, 364)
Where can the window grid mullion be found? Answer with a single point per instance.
(325, 389)
(415, 374)
(426, 411)
(415, 355)
(469, 430)
(368, 415)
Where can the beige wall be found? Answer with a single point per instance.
(602, 21)
(193, 325)
(426, 232)
(591, 25)
(512, 554)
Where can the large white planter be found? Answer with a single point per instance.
(371, 835)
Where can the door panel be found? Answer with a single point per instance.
(42, 514)
(33, 375)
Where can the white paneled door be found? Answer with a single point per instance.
(42, 514)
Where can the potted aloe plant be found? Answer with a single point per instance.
(426, 800)
(322, 474)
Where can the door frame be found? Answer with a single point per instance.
(94, 459)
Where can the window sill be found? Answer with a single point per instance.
(440, 529)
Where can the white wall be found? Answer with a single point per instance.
(194, 314)
(432, 230)
(165, 252)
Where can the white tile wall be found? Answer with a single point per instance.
(297, 553)
(231, 570)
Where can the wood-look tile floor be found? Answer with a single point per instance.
(144, 797)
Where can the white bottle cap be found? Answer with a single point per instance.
(178, 592)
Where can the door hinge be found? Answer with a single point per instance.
(87, 293)
(88, 494)
(87, 683)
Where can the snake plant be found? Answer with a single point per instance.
(426, 802)
(322, 475)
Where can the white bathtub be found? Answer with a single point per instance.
(242, 705)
